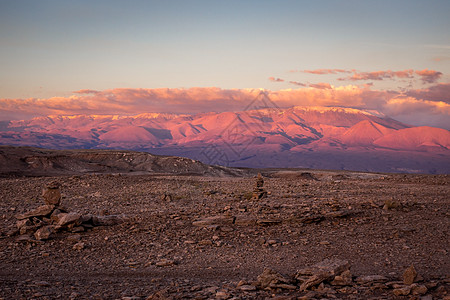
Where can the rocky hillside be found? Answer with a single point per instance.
(43, 162)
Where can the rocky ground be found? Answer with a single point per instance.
(317, 235)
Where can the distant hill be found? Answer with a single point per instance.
(304, 137)
(29, 161)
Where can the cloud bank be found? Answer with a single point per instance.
(429, 106)
(427, 76)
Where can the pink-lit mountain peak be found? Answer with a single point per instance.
(268, 137)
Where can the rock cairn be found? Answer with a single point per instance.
(259, 192)
(45, 221)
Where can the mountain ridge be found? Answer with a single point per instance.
(253, 138)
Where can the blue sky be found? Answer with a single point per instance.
(52, 48)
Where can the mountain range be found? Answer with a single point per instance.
(297, 137)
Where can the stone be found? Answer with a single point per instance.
(391, 204)
(107, 220)
(331, 266)
(371, 279)
(41, 211)
(23, 223)
(314, 280)
(86, 219)
(409, 275)
(215, 220)
(326, 270)
(78, 229)
(52, 194)
(166, 197)
(404, 291)
(44, 233)
(78, 246)
(417, 289)
(165, 263)
(69, 218)
(56, 215)
(28, 229)
(222, 295)
(344, 279)
(247, 287)
(270, 279)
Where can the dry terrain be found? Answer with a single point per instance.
(200, 237)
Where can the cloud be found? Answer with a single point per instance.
(127, 101)
(321, 85)
(429, 76)
(297, 83)
(86, 91)
(439, 92)
(326, 71)
(273, 79)
(378, 75)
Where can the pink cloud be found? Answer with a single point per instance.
(429, 76)
(273, 79)
(379, 75)
(326, 71)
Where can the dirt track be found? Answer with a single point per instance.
(161, 248)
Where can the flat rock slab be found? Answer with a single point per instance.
(68, 218)
(41, 211)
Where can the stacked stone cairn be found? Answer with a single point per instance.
(259, 192)
(45, 221)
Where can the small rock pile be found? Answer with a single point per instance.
(259, 192)
(332, 276)
(46, 220)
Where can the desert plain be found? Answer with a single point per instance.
(317, 234)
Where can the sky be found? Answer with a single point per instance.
(72, 57)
